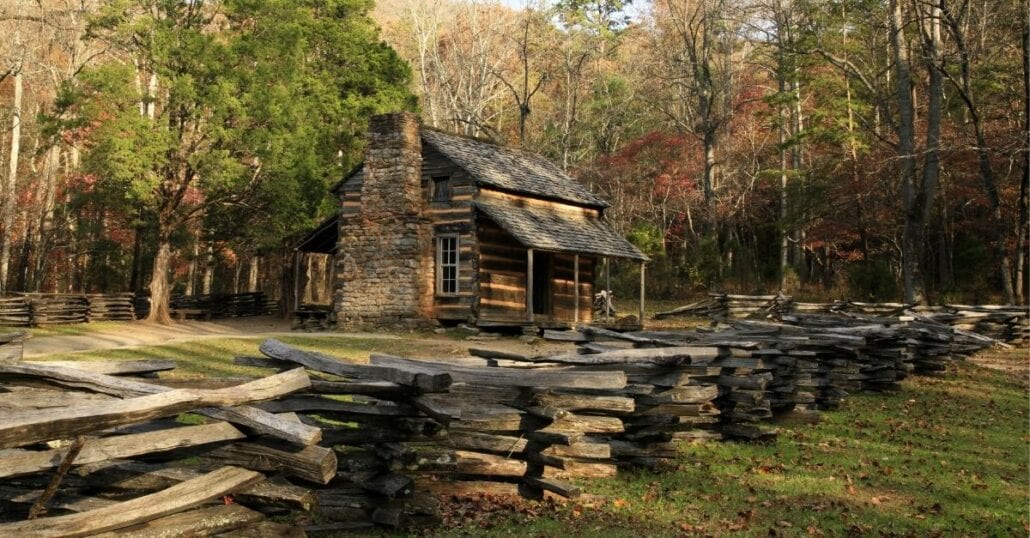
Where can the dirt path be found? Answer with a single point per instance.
(136, 334)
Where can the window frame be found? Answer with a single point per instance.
(441, 264)
(435, 183)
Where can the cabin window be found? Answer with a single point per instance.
(441, 189)
(447, 264)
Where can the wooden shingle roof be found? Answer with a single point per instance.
(545, 229)
(511, 169)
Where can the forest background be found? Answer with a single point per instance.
(867, 149)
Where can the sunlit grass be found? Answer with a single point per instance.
(213, 357)
(945, 456)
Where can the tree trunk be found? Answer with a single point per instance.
(1023, 226)
(137, 253)
(252, 277)
(708, 181)
(209, 269)
(924, 201)
(159, 285)
(910, 248)
(10, 192)
(784, 232)
(191, 276)
(983, 157)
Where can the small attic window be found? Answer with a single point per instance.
(441, 189)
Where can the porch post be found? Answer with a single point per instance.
(529, 284)
(642, 268)
(575, 283)
(296, 280)
(607, 290)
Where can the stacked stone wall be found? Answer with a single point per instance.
(382, 277)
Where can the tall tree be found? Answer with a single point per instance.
(911, 249)
(956, 26)
(250, 97)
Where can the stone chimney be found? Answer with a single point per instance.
(386, 249)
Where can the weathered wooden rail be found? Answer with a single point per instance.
(228, 305)
(35, 309)
(1009, 324)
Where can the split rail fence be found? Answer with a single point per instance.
(36, 309)
(30, 310)
(1009, 324)
(96, 445)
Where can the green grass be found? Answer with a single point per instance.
(214, 356)
(946, 456)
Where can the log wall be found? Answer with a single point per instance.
(452, 217)
(502, 275)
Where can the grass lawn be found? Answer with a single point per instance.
(945, 456)
(213, 357)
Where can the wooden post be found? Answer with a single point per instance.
(642, 268)
(296, 280)
(575, 283)
(607, 289)
(529, 284)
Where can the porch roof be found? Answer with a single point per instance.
(323, 238)
(547, 229)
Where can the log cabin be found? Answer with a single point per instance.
(439, 228)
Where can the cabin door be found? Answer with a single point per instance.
(543, 264)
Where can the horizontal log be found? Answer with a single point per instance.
(175, 499)
(599, 332)
(683, 394)
(661, 355)
(564, 336)
(15, 462)
(483, 442)
(588, 448)
(27, 427)
(579, 469)
(114, 367)
(560, 487)
(422, 377)
(206, 521)
(381, 389)
(309, 404)
(478, 463)
(540, 377)
(127, 475)
(617, 405)
(247, 416)
(588, 424)
(313, 463)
